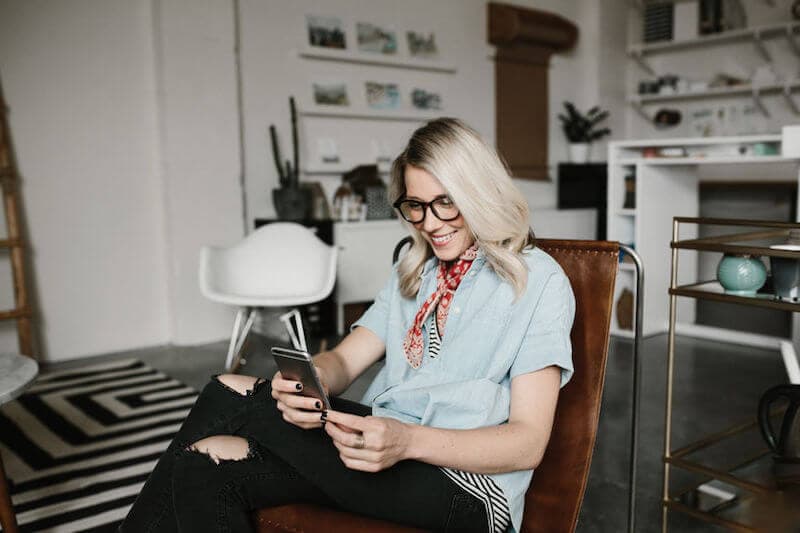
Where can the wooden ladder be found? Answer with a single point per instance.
(9, 183)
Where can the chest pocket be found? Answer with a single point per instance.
(478, 343)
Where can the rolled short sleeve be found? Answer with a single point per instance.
(376, 317)
(547, 340)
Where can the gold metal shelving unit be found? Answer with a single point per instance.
(758, 503)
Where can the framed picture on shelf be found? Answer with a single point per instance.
(374, 39)
(382, 95)
(422, 45)
(327, 151)
(330, 94)
(325, 32)
(425, 100)
(701, 122)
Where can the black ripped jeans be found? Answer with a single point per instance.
(188, 492)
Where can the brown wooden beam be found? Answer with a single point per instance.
(525, 40)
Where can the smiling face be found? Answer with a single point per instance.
(449, 239)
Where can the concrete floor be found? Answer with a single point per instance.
(716, 385)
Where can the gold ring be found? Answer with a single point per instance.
(360, 443)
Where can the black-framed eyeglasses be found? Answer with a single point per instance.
(414, 211)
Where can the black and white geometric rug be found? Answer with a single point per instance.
(79, 444)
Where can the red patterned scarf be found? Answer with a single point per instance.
(447, 280)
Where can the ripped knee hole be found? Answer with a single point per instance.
(225, 448)
(241, 385)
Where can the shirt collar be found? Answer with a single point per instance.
(433, 262)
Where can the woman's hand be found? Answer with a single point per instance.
(302, 411)
(371, 443)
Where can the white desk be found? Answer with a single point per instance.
(365, 260)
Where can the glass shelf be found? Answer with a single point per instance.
(755, 243)
(712, 290)
(757, 502)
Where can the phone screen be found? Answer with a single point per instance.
(298, 366)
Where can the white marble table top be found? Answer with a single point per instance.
(16, 373)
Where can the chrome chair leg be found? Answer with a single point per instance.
(248, 325)
(637, 337)
(239, 336)
(234, 338)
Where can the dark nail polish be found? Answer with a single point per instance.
(324, 416)
(318, 405)
(298, 386)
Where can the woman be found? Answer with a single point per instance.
(474, 323)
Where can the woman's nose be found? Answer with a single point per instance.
(431, 222)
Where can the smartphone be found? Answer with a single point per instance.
(297, 365)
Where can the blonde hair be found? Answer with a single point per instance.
(494, 210)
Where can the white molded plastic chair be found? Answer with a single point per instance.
(282, 264)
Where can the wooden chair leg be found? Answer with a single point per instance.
(8, 519)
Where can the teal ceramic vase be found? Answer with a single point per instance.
(741, 275)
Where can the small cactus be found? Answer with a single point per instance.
(288, 175)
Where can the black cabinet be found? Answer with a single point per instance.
(584, 185)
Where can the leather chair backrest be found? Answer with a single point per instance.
(556, 492)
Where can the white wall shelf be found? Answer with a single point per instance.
(701, 160)
(634, 146)
(365, 58)
(333, 170)
(755, 92)
(756, 33)
(367, 114)
(716, 93)
(627, 212)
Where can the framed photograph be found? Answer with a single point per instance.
(328, 151)
(701, 122)
(325, 32)
(382, 95)
(330, 94)
(421, 44)
(423, 99)
(374, 39)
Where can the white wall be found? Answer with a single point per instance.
(124, 117)
(200, 162)
(125, 124)
(78, 77)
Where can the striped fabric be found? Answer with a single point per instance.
(481, 486)
(486, 490)
(434, 339)
(79, 445)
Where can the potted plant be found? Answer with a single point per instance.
(581, 130)
(292, 202)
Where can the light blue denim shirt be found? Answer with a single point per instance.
(489, 339)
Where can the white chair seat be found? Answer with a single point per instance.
(282, 264)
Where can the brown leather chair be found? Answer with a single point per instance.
(554, 498)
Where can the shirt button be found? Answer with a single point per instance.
(456, 310)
